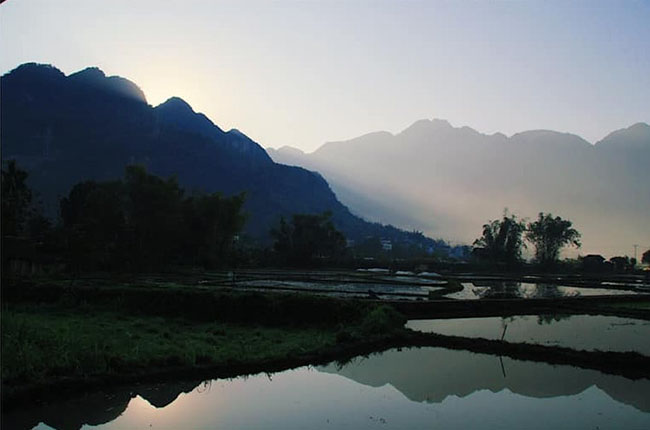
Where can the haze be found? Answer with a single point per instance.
(303, 73)
(448, 181)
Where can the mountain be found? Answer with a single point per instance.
(448, 181)
(65, 129)
(633, 138)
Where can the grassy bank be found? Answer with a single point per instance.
(40, 344)
(77, 335)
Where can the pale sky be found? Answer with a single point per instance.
(303, 73)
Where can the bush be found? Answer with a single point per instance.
(382, 319)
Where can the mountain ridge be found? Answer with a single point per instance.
(450, 180)
(87, 126)
(500, 135)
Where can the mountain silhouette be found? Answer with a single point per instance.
(66, 129)
(448, 181)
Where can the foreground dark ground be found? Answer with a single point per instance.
(62, 335)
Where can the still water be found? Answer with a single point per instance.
(528, 290)
(418, 388)
(583, 332)
(357, 289)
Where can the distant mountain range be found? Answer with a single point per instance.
(65, 129)
(448, 181)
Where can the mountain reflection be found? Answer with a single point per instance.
(95, 408)
(433, 374)
(429, 375)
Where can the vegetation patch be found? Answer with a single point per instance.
(41, 343)
(82, 334)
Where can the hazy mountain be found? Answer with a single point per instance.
(65, 129)
(449, 181)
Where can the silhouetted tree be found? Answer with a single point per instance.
(645, 258)
(16, 200)
(549, 235)
(27, 235)
(501, 240)
(94, 220)
(622, 264)
(307, 237)
(211, 223)
(144, 222)
(593, 263)
(153, 210)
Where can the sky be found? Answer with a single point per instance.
(305, 73)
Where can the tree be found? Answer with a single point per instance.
(27, 235)
(502, 240)
(211, 223)
(16, 200)
(622, 264)
(645, 258)
(549, 235)
(307, 236)
(153, 212)
(144, 222)
(94, 219)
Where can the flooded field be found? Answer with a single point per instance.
(368, 283)
(528, 290)
(403, 285)
(355, 289)
(582, 332)
(418, 388)
(428, 387)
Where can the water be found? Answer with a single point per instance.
(419, 388)
(528, 290)
(359, 289)
(588, 332)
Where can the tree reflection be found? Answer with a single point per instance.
(551, 318)
(500, 290)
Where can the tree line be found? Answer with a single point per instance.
(143, 222)
(140, 222)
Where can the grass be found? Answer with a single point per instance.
(43, 343)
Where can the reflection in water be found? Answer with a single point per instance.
(96, 408)
(587, 332)
(435, 374)
(93, 409)
(527, 290)
(411, 388)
